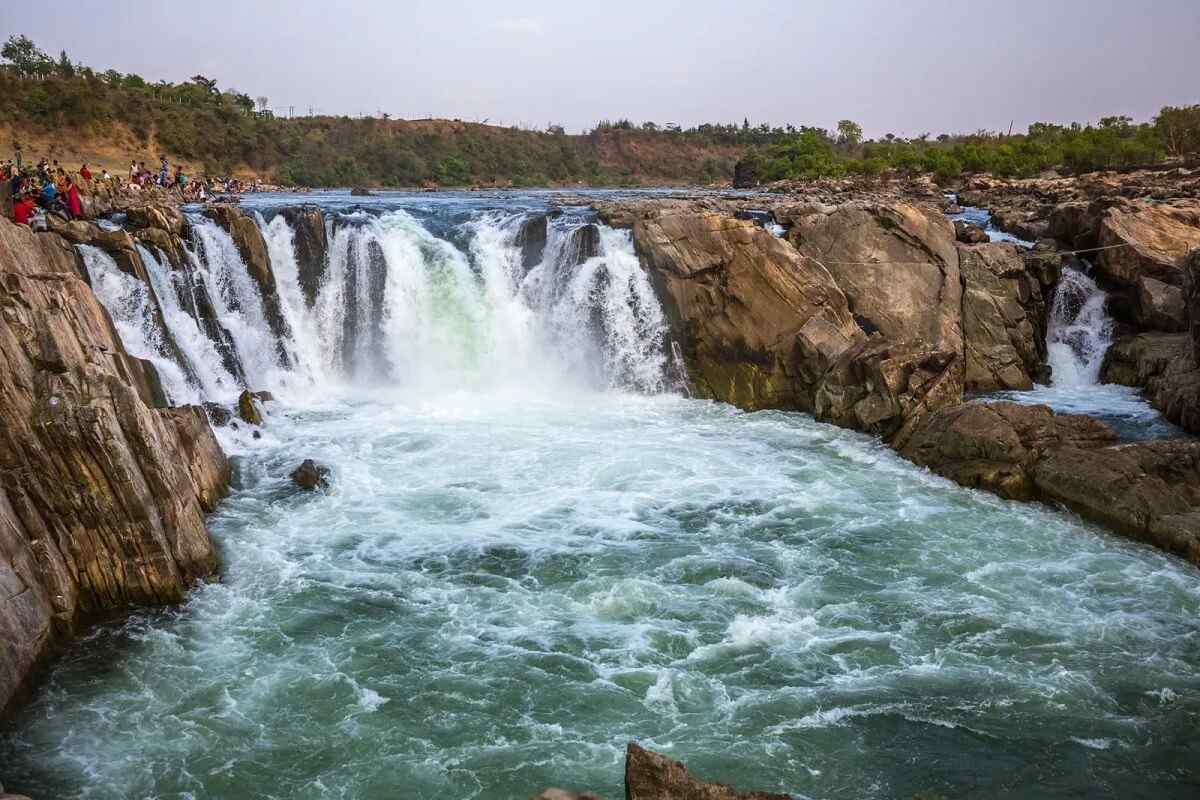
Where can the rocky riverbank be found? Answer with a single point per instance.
(872, 314)
(103, 488)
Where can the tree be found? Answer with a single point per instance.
(207, 84)
(263, 102)
(1179, 129)
(27, 60)
(65, 68)
(850, 133)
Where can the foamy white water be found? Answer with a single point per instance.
(521, 565)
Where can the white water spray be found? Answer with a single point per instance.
(1079, 331)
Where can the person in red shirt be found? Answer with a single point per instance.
(85, 173)
(23, 210)
(74, 204)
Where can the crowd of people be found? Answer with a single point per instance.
(48, 188)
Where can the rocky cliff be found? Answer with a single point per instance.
(103, 489)
(873, 316)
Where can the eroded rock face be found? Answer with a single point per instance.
(102, 492)
(1191, 299)
(1004, 319)
(531, 238)
(1149, 490)
(650, 776)
(1145, 240)
(994, 446)
(759, 324)
(311, 244)
(1164, 365)
(969, 233)
(896, 264)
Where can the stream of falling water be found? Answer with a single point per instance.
(533, 551)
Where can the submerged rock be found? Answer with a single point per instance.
(531, 238)
(218, 414)
(311, 476)
(359, 191)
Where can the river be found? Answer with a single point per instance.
(536, 547)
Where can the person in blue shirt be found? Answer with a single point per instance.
(48, 195)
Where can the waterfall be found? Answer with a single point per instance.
(130, 303)
(474, 307)
(1079, 330)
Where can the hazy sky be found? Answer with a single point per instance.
(904, 67)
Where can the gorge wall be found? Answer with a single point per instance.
(103, 488)
(870, 315)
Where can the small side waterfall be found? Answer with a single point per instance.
(1079, 331)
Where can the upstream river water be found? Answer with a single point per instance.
(534, 549)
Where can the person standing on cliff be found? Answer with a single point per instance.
(85, 173)
(74, 202)
(23, 209)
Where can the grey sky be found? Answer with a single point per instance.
(903, 67)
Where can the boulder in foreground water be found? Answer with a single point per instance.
(311, 476)
(649, 776)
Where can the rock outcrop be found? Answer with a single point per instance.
(650, 776)
(1004, 318)
(758, 323)
(102, 489)
(310, 242)
(311, 476)
(1147, 490)
(1146, 240)
(1164, 365)
(531, 238)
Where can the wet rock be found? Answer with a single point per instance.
(311, 476)
(1148, 490)
(650, 776)
(556, 794)
(969, 232)
(218, 414)
(994, 446)
(103, 495)
(1191, 299)
(253, 249)
(1004, 318)
(311, 244)
(1163, 364)
(757, 323)
(531, 238)
(163, 217)
(359, 191)
(264, 395)
(248, 410)
(584, 244)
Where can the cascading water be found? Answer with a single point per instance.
(1079, 330)
(521, 565)
(129, 303)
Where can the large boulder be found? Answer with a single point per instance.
(102, 492)
(758, 323)
(1149, 490)
(1160, 306)
(531, 238)
(158, 216)
(650, 776)
(310, 242)
(969, 232)
(897, 265)
(994, 446)
(1004, 318)
(888, 388)
(1145, 239)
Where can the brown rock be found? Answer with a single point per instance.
(1150, 490)
(994, 446)
(247, 409)
(1145, 240)
(649, 776)
(1164, 366)
(1004, 318)
(1191, 299)
(969, 232)
(1160, 306)
(758, 323)
(531, 238)
(102, 495)
(311, 476)
(896, 264)
(162, 216)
